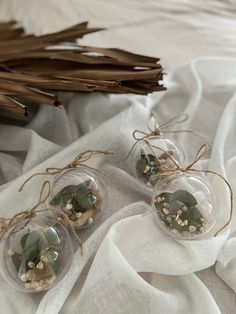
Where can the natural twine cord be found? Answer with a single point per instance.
(78, 162)
(8, 223)
(157, 131)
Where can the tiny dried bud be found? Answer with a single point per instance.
(184, 208)
(43, 258)
(158, 199)
(179, 221)
(68, 207)
(78, 215)
(23, 277)
(166, 205)
(39, 288)
(28, 285)
(180, 212)
(40, 265)
(11, 252)
(192, 228)
(29, 275)
(165, 211)
(31, 264)
(147, 168)
(90, 220)
(34, 284)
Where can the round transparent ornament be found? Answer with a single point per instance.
(147, 162)
(36, 254)
(185, 205)
(81, 194)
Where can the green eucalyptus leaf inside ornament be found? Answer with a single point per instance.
(37, 254)
(185, 205)
(148, 160)
(81, 194)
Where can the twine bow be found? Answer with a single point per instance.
(189, 168)
(8, 223)
(157, 131)
(78, 162)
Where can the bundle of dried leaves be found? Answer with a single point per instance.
(33, 68)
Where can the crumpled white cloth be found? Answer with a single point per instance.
(129, 264)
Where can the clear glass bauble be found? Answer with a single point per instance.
(147, 162)
(185, 205)
(36, 254)
(81, 194)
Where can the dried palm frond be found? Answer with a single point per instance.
(33, 68)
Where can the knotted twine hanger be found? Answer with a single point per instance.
(157, 131)
(189, 169)
(8, 223)
(78, 162)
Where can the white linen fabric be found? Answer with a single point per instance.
(132, 245)
(129, 265)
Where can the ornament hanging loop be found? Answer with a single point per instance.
(78, 162)
(7, 223)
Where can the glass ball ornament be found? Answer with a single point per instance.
(185, 205)
(81, 194)
(36, 254)
(147, 162)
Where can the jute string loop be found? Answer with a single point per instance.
(157, 131)
(8, 223)
(78, 162)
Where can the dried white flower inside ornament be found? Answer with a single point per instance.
(184, 203)
(81, 194)
(37, 254)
